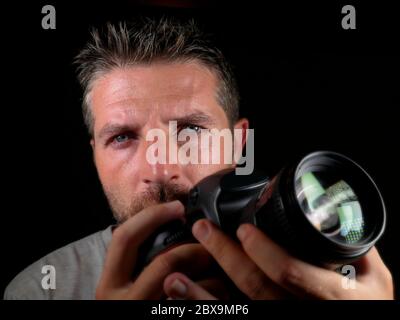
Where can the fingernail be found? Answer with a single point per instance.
(242, 232)
(201, 230)
(178, 289)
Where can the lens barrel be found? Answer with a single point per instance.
(324, 208)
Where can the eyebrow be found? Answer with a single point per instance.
(111, 129)
(198, 118)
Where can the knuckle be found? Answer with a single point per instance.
(167, 262)
(290, 274)
(156, 213)
(153, 212)
(387, 279)
(255, 286)
(248, 240)
(219, 250)
(120, 236)
(217, 246)
(100, 293)
(327, 292)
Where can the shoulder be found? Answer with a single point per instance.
(77, 262)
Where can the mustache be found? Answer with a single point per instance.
(153, 195)
(165, 192)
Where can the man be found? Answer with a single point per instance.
(137, 79)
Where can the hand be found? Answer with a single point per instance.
(116, 280)
(263, 270)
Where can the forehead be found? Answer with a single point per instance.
(162, 89)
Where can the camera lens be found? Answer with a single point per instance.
(324, 208)
(332, 206)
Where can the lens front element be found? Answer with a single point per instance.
(331, 205)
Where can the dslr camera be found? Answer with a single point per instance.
(323, 208)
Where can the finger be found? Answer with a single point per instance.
(126, 239)
(178, 286)
(370, 267)
(215, 287)
(245, 274)
(189, 258)
(298, 277)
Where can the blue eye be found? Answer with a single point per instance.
(121, 138)
(193, 127)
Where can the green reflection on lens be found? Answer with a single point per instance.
(332, 208)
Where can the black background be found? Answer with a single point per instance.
(306, 84)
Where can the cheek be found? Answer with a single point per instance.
(115, 168)
(195, 173)
(213, 161)
(219, 154)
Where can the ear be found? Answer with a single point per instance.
(240, 137)
(92, 144)
(243, 125)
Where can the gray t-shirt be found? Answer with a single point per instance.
(77, 267)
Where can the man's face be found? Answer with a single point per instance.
(128, 102)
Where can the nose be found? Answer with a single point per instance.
(158, 172)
